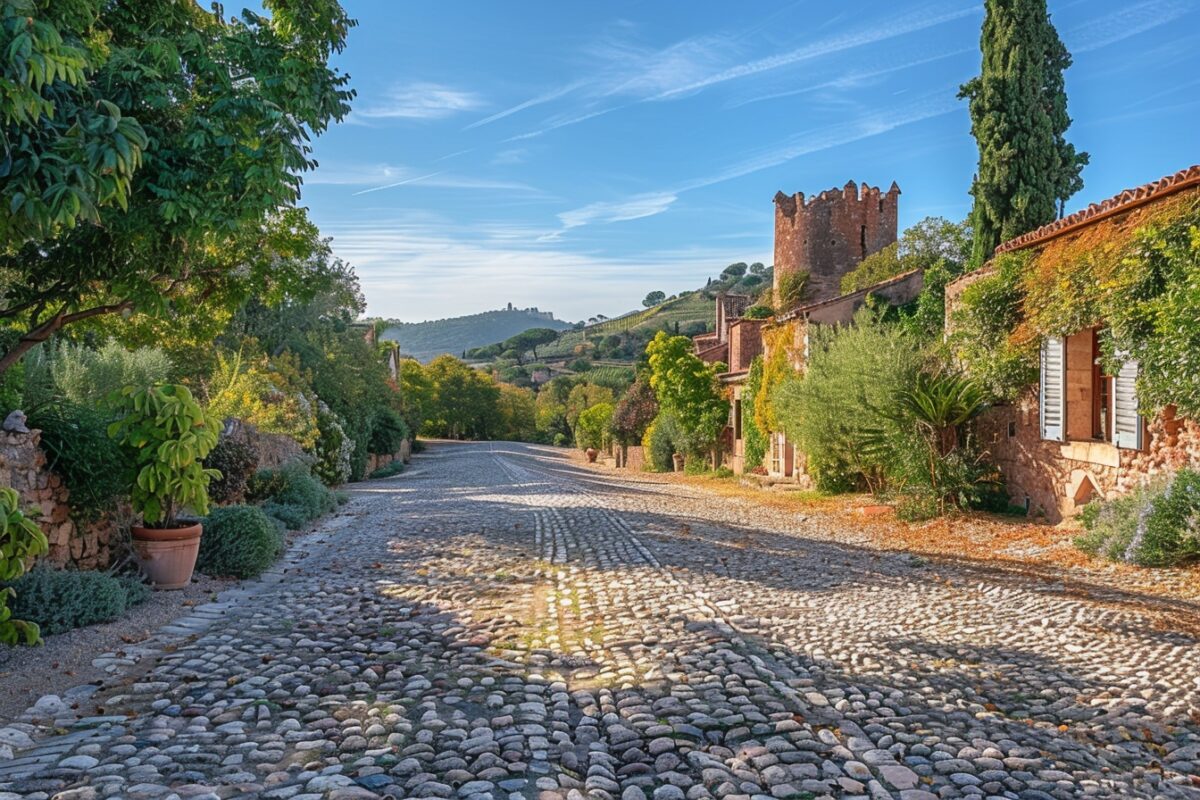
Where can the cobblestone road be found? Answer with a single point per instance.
(502, 623)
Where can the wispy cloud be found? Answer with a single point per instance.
(545, 97)
(635, 207)
(890, 29)
(852, 79)
(388, 176)
(1125, 23)
(420, 100)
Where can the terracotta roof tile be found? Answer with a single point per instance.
(1130, 198)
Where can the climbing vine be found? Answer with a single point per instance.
(1136, 275)
(779, 349)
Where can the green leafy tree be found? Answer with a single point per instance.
(1019, 119)
(653, 298)
(932, 241)
(634, 413)
(734, 270)
(583, 396)
(688, 389)
(230, 106)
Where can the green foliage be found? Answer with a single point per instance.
(516, 410)
(387, 470)
(1156, 320)
(230, 105)
(78, 449)
(592, 427)
(236, 460)
(734, 270)
(754, 438)
(388, 431)
(931, 242)
(21, 540)
(982, 327)
(167, 434)
(270, 394)
(1154, 526)
(688, 389)
(759, 312)
(583, 396)
(653, 298)
(291, 485)
(334, 450)
(62, 600)
(1018, 108)
(238, 542)
(461, 401)
(792, 288)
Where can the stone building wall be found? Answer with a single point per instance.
(829, 234)
(23, 467)
(745, 342)
(1057, 479)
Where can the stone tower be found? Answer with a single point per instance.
(830, 233)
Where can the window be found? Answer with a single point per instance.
(862, 240)
(1079, 402)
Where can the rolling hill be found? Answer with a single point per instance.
(428, 340)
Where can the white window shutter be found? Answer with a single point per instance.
(1052, 394)
(1127, 423)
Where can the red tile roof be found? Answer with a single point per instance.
(1126, 200)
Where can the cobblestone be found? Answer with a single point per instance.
(500, 623)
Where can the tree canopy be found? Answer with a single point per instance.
(153, 153)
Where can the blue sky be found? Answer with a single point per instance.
(574, 156)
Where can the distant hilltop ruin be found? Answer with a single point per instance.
(533, 310)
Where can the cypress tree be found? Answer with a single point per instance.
(1018, 105)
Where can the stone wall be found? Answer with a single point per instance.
(404, 455)
(828, 235)
(23, 467)
(745, 342)
(1057, 479)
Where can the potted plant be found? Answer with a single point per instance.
(167, 434)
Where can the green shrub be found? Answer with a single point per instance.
(1155, 526)
(289, 515)
(662, 442)
(61, 600)
(236, 459)
(83, 376)
(388, 432)
(388, 470)
(239, 542)
(292, 484)
(851, 390)
(78, 449)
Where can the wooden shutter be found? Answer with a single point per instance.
(1127, 423)
(1052, 395)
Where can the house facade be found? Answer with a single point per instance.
(1078, 434)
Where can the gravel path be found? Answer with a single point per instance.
(502, 623)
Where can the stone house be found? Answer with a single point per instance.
(1078, 434)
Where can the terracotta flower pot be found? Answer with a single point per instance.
(167, 556)
(591, 453)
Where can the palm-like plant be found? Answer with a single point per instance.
(941, 403)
